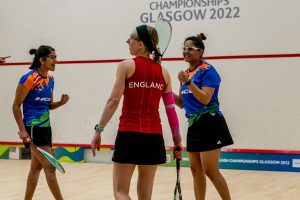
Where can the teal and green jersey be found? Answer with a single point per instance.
(36, 105)
(204, 75)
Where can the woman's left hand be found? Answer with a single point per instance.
(64, 99)
(183, 77)
(177, 152)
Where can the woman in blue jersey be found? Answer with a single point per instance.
(35, 94)
(207, 129)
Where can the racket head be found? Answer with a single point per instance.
(52, 160)
(164, 31)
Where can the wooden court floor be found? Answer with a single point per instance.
(91, 181)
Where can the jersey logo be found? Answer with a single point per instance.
(186, 91)
(150, 85)
(42, 99)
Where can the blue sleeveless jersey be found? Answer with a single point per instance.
(36, 105)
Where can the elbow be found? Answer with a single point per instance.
(113, 102)
(15, 107)
(180, 106)
(51, 106)
(179, 103)
(206, 101)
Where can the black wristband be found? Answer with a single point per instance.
(188, 82)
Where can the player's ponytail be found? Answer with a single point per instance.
(42, 52)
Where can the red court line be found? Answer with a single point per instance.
(167, 59)
(253, 56)
(268, 151)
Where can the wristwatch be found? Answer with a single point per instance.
(188, 82)
(99, 128)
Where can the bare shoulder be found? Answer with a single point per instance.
(127, 63)
(127, 67)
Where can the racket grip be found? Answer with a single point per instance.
(177, 149)
(177, 160)
(177, 164)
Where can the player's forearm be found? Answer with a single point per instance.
(109, 110)
(168, 99)
(55, 105)
(18, 117)
(199, 94)
(178, 100)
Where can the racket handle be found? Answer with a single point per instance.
(177, 160)
(177, 164)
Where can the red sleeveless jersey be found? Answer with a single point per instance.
(142, 94)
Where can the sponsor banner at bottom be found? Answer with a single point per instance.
(228, 160)
(248, 161)
(260, 161)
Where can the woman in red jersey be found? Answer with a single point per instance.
(143, 82)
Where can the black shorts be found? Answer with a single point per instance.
(139, 148)
(209, 132)
(41, 136)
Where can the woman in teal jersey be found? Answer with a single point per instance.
(207, 131)
(35, 94)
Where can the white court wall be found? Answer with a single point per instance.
(259, 97)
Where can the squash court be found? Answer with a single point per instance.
(80, 183)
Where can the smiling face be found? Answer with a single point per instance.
(191, 53)
(48, 63)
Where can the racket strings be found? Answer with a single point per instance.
(164, 31)
(52, 160)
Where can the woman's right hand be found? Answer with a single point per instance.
(96, 142)
(24, 136)
(177, 151)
